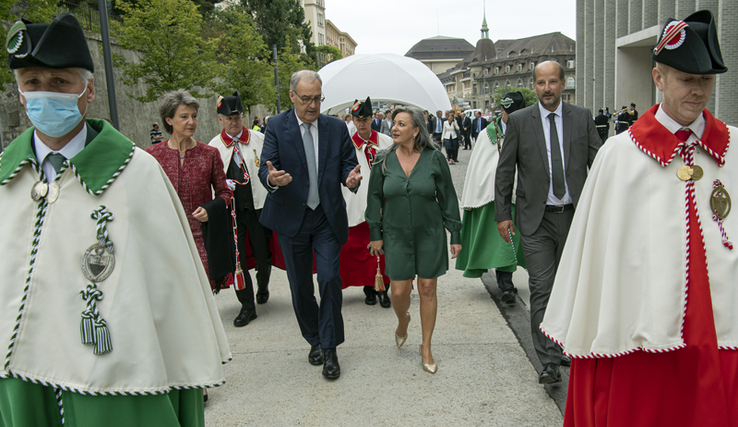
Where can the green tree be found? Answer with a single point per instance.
(33, 10)
(172, 54)
(327, 54)
(242, 51)
(528, 94)
(289, 63)
(281, 22)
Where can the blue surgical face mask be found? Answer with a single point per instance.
(53, 113)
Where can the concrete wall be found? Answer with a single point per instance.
(628, 31)
(135, 118)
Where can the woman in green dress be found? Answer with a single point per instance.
(411, 200)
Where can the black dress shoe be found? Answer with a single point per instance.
(550, 374)
(384, 300)
(565, 360)
(331, 368)
(262, 298)
(508, 297)
(244, 317)
(315, 357)
(371, 299)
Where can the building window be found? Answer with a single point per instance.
(520, 83)
(532, 65)
(486, 71)
(486, 88)
(520, 67)
(570, 83)
(570, 63)
(507, 69)
(530, 83)
(497, 85)
(497, 69)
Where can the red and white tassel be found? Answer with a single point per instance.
(726, 241)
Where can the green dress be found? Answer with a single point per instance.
(410, 214)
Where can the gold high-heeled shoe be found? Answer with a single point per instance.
(401, 340)
(427, 367)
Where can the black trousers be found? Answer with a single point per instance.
(259, 240)
(320, 324)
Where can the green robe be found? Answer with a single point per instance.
(482, 246)
(410, 214)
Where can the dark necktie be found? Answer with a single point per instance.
(56, 160)
(307, 139)
(557, 165)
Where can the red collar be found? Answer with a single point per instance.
(358, 141)
(243, 139)
(656, 141)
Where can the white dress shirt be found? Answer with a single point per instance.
(74, 146)
(697, 127)
(314, 133)
(545, 121)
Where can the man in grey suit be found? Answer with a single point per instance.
(386, 126)
(550, 180)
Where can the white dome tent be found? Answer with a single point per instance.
(385, 77)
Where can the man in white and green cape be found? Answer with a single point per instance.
(106, 315)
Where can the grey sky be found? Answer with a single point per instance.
(394, 26)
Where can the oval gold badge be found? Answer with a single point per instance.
(720, 202)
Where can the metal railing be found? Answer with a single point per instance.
(86, 13)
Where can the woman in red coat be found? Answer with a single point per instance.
(195, 169)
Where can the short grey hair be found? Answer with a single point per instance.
(84, 73)
(308, 75)
(422, 141)
(171, 101)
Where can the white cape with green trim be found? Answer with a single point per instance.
(164, 326)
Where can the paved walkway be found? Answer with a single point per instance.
(484, 376)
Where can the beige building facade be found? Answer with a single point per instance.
(315, 16)
(472, 82)
(440, 53)
(339, 39)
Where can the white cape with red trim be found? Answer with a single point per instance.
(251, 153)
(356, 202)
(621, 282)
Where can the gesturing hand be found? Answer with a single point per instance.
(354, 177)
(278, 177)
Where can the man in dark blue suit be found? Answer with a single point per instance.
(377, 122)
(478, 125)
(305, 159)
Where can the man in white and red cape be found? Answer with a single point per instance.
(652, 330)
(358, 267)
(240, 150)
